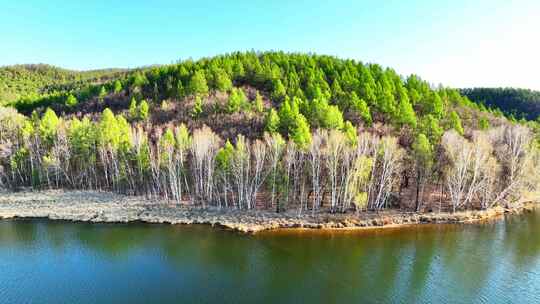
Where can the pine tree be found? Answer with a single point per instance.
(429, 125)
(350, 132)
(117, 86)
(272, 121)
(108, 130)
(197, 107)
(483, 123)
(367, 86)
(433, 105)
(197, 84)
(300, 133)
(405, 113)
(454, 122)
(278, 92)
(287, 115)
(237, 100)
(333, 118)
(102, 93)
(48, 126)
(360, 106)
(143, 110)
(133, 112)
(258, 105)
(71, 101)
(124, 133)
(221, 81)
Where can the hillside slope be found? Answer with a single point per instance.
(34, 79)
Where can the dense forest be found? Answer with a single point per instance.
(32, 80)
(517, 103)
(271, 130)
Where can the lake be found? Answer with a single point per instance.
(61, 262)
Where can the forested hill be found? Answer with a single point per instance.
(252, 92)
(273, 130)
(521, 103)
(34, 79)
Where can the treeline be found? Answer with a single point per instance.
(334, 169)
(304, 92)
(33, 81)
(516, 103)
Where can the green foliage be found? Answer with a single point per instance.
(519, 102)
(225, 156)
(237, 100)
(117, 86)
(183, 139)
(143, 110)
(48, 126)
(483, 123)
(350, 132)
(278, 92)
(133, 112)
(258, 105)
(102, 93)
(405, 113)
(108, 130)
(71, 101)
(167, 143)
(197, 84)
(333, 118)
(220, 80)
(433, 104)
(429, 125)
(197, 110)
(124, 133)
(454, 122)
(300, 133)
(423, 151)
(138, 80)
(29, 81)
(287, 115)
(312, 85)
(360, 106)
(272, 121)
(82, 138)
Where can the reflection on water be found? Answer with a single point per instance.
(60, 262)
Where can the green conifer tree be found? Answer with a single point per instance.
(198, 84)
(71, 101)
(272, 121)
(405, 113)
(117, 86)
(300, 133)
(454, 122)
(143, 110)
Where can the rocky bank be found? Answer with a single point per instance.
(105, 207)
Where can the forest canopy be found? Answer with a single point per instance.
(519, 103)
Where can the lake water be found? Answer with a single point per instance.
(60, 262)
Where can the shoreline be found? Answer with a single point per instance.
(106, 207)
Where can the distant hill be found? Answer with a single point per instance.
(18, 81)
(521, 103)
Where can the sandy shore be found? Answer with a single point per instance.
(92, 206)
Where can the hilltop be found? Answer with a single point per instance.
(197, 93)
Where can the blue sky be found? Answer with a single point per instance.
(457, 43)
